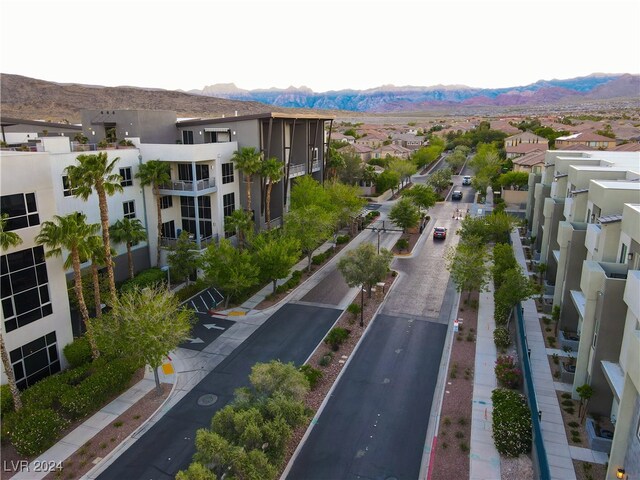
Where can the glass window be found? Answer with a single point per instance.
(169, 229)
(22, 210)
(129, 209)
(127, 178)
(187, 137)
(227, 173)
(185, 173)
(623, 254)
(228, 204)
(166, 201)
(67, 191)
(35, 360)
(24, 288)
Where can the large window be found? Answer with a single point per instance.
(35, 360)
(129, 209)
(188, 211)
(227, 173)
(24, 288)
(228, 204)
(22, 210)
(127, 178)
(166, 201)
(185, 172)
(67, 191)
(169, 229)
(187, 137)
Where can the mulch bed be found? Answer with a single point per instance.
(451, 458)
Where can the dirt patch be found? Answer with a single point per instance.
(411, 238)
(573, 427)
(451, 459)
(588, 470)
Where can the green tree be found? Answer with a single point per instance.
(468, 267)
(403, 168)
(513, 180)
(422, 196)
(182, 259)
(364, 267)
(276, 378)
(515, 287)
(95, 250)
(129, 232)
(95, 172)
(240, 223)
(335, 161)
(307, 191)
(145, 324)
(440, 179)
(9, 239)
(585, 392)
(387, 180)
(405, 214)
(70, 233)
(275, 256)
(311, 225)
(503, 260)
(426, 155)
(155, 173)
(350, 172)
(346, 202)
(271, 171)
(229, 268)
(196, 471)
(248, 160)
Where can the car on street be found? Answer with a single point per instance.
(456, 195)
(439, 233)
(466, 180)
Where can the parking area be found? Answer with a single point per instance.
(206, 330)
(206, 300)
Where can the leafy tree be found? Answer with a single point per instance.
(422, 196)
(155, 173)
(387, 180)
(503, 260)
(513, 179)
(426, 155)
(405, 214)
(248, 160)
(240, 223)
(182, 259)
(271, 171)
(9, 239)
(351, 132)
(144, 324)
(403, 168)
(468, 267)
(311, 225)
(457, 159)
(229, 268)
(275, 256)
(363, 266)
(335, 160)
(276, 378)
(95, 172)
(196, 471)
(585, 392)
(129, 232)
(307, 191)
(515, 287)
(70, 233)
(440, 179)
(499, 226)
(345, 201)
(350, 172)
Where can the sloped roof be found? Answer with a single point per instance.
(530, 159)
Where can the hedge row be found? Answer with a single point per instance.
(511, 422)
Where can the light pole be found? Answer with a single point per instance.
(362, 306)
(167, 269)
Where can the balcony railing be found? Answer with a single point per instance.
(188, 185)
(169, 242)
(315, 166)
(296, 170)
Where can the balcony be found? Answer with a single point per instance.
(170, 243)
(189, 187)
(599, 438)
(315, 166)
(297, 170)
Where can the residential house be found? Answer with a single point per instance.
(532, 162)
(590, 139)
(523, 143)
(361, 151)
(391, 150)
(408, 140)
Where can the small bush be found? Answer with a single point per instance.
(313, 375)
(464, 446)
(507, 373)
(47, 392)
(566, 395)
(569, 410)
(462, 421)
(326, 359)
(501, 338)
(319, 259)
(573, 424)
(6, 401)
(470, 337)
(459, 434)
(511, 422)
(445, 445)
(342, 239)
(354, 309)
(34, 431)
(78, 352)
(402, 244)
(145, 278)
(551, 339)
(567, 403)
(446, 421)
(191, 290)
(556, 361)
(336, 337)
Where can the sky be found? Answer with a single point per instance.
(323, 45)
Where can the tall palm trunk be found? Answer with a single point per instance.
(77, 285)
(11, 379)
(156, 193)
(248, 180)
(104, 221)
(269, 187)
(96, 289)
(130, 259)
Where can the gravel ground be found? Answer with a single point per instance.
(512, 468)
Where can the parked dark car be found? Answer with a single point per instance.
(439, 233)
(456, 195)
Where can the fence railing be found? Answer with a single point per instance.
(204, 241)
(188, 185)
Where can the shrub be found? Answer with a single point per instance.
(78, 352)
(191, 290)
(33, 431)
(6, 401)
(446, 421)
(46, 393)
(319, 259)
(341, 239)
(573, 424)
(511, 422)
(354, 309)
(326, 359)
(507, 373)
(313, 375)
(145, 278)
(336, 337)
(402, 244)
(567, 403)
(501, 338)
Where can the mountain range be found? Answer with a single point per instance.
(389, 98)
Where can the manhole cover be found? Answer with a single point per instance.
(207, 400)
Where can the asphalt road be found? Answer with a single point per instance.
(374, 425)
(290, 335)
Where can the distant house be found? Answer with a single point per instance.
(523, 143)
(408, 140)
(340, 137)
(590, 139)
(391, 151)
(628, 147)
(371, 138)
(504, 126)
(363, 151)
(532, 162)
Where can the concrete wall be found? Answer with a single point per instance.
(572, 255)
(151, 126)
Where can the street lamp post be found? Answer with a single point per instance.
(167, 269)
(362, 306)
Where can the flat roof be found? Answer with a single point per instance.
(618, 185)
(256, 116)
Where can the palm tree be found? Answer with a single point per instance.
(94, 171)
(240, 223)
(248, 161)
(9, 239)
(155, 173)
(70, 233)
(271, 171)
(95, 250)
(129, 232)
